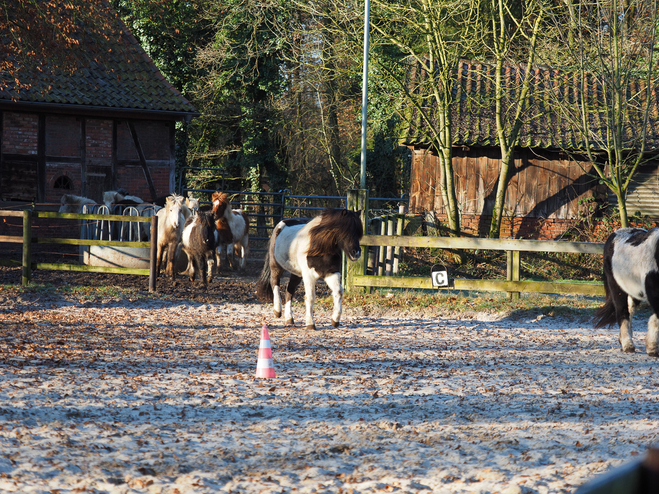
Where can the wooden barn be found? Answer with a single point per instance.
(86, 112)
(550, 181)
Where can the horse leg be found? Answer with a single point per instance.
(309, 298)
(210, 262)
(171, 260)
(231, 260)
(652, 336)
(622, 304)
(275, 279)
(334, 283)
(290, 291)
(244, 252)
(159, 253)
(203, 267)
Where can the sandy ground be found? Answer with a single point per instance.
(124, 396)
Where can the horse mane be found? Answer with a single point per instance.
(173, 199)
(222, 201)
(334, 228)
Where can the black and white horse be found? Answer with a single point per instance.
(310, 250)
(631, 275)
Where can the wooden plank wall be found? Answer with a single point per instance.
(544, 185)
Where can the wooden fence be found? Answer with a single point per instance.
(28, 240)
(512, 284)
(356, 277)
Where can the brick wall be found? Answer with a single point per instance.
(534, 228)
(20, 133)
(519, 228)
(131, 178)
(54, 173)
(98, 145)
(64, 151)
(63, 134)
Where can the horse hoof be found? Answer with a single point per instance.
(289, 322)
(311, 327)
(335, 324)
(277, 314)
(653, 353)
(629, 349)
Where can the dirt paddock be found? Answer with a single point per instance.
(158, 395)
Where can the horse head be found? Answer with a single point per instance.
(174, 209)
(220, 203)
(192, 204)
(338, 229)
(352, 233)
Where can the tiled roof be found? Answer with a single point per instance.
(107, 70)
(547, 126)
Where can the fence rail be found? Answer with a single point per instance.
(28, 240)
(513, 285)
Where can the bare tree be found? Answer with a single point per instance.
(431, 37)
(611, 44)
(511, 35)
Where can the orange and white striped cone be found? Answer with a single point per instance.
(264, 366)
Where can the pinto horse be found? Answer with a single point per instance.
(232, 229)
(198, 241)
(631, 275)
(310, 249)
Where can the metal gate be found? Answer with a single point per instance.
(266, 209)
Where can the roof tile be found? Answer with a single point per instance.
(110, 69)
(473, 116)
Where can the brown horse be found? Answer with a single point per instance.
(232, 228)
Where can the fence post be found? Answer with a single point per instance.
(512, 270)
(283, 206)
(27, 246)
(153, 275)
(382, 250)
(399, 231)
(357, 200)
(390, 250)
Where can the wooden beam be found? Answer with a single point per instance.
(80, 241)
(145, 167)
(41, 159)
(89, 269)
(560, 287)
(486, 244)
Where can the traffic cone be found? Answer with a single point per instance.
(264, 366)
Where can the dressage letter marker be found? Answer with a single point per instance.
(264, 366)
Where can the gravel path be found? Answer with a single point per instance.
(123, 396)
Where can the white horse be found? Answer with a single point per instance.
(170, 228)
(73, 204)
(310, 250)
(232, 229)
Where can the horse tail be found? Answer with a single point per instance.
(264, 291)
(606, 316)
(263, 287)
